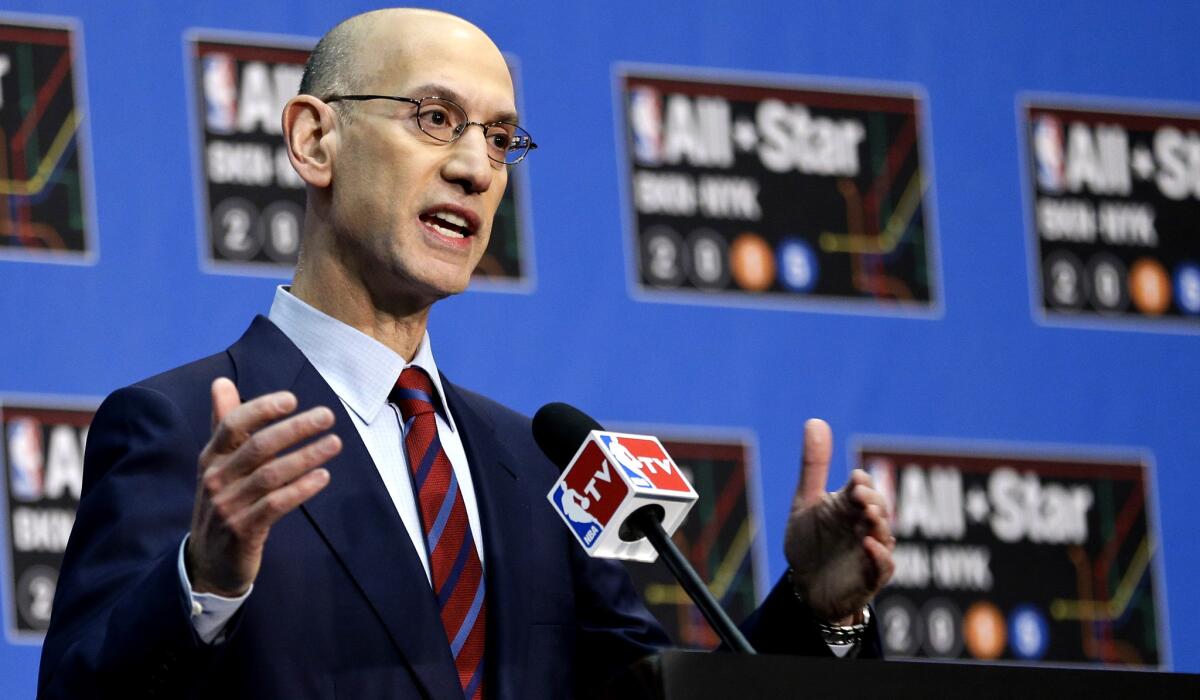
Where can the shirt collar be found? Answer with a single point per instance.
(359, 369)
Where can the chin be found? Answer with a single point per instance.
(442, 288)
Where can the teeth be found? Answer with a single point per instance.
(450, 233)
(454, 219)
(448, 224)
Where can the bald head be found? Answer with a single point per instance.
(346, 59)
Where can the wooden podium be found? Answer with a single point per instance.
(674, 675)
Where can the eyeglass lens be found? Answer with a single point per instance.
(445, 121)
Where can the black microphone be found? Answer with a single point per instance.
(559, 429)
(562, 432)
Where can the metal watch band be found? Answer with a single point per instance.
(837, 635)
(842, 635)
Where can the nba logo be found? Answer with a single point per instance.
(645, 463)
(1048, 151)
(25, 459)
(645, 118)
(573, 506)
(628, 462)
(220, 93)
(588, 493)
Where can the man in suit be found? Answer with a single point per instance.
(318, 512)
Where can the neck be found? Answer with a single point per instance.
(401, 331)
(394, 319)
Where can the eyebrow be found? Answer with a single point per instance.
(439, 90)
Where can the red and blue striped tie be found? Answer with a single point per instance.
(453, 559)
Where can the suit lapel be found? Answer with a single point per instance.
(354, 514)
(504, 514)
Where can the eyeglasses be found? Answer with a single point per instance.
(445, 121)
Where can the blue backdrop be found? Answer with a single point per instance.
(984, 370)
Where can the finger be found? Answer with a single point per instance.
(278, 503)
(267, 442)
(863, 496)
(236, 426)
(867, 520)
(814, 468)
(278, 473)
(224, 399)
(881, 564)
(877, 525)
(861, 477)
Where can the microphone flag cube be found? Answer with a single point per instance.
(611, 476)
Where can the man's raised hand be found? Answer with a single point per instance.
(248, 480)
(838, 544)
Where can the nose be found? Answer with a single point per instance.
(468, 164)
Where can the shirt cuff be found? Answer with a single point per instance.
(209, 612)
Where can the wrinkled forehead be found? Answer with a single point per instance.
(398, 57)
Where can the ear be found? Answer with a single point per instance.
(308, 132)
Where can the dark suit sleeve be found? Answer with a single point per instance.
(120, 624)
(783, 624)
(614, 628)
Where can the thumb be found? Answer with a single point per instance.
(814, 466)
(225, 398)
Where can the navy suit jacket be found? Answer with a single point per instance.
(341, 607)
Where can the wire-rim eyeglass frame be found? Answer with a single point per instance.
(519, 143)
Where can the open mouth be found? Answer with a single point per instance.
(448, 223)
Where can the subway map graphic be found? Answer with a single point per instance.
(720, 538)
(44, 195)
(1019, 556)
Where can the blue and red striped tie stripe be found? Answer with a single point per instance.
(453, 559)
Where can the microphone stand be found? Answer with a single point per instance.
(647, 522)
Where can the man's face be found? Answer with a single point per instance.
(412, 215)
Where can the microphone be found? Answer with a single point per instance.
(622, 496)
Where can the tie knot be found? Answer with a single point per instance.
(413, 393)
